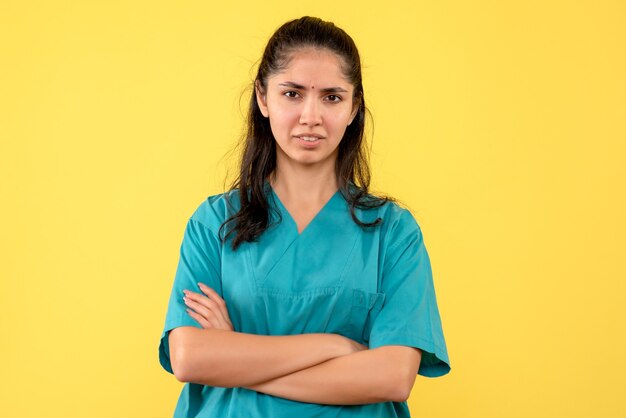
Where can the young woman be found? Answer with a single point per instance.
(298, 293)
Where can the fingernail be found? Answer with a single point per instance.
(200, 284)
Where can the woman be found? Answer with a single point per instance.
(298, 293)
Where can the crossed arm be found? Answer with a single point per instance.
(315, 368)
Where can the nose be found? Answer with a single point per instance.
(311, 112)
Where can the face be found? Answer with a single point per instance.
(309, 106)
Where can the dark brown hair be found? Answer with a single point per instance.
(258, 157)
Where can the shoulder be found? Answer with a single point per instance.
(216, 209)
(395, 216)
(397, 219)
(398, 224)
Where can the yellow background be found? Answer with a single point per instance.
(501, 124)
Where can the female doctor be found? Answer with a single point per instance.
(298, 293)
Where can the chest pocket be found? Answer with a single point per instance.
(287, 313)
(364, 308)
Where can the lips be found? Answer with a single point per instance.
(309, 137)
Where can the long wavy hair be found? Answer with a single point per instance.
(258, 156)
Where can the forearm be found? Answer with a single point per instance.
(369, 376)
(232, 359)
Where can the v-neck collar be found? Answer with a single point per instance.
(283, 209)
(284, 259)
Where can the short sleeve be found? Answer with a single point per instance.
(409, 315)
(199, 262)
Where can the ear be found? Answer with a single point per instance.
(261, 99)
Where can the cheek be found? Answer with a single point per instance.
(339, 120)
(281, 117)
(281, 124)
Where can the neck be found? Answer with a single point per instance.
(303, 183)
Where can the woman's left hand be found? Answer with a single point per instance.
(209, 309)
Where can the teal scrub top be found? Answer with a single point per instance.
(374, 286)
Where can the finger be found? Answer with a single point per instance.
(213, 295)
(199, 319)
(209, 304)
(219, 304)
(223, 322)
(209, 310)
(202, 310)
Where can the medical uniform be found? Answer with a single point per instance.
(371, 285)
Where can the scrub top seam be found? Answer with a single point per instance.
(208, 228)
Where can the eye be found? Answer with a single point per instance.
(334, 98)
(291, 94)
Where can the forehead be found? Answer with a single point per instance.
(313, 68)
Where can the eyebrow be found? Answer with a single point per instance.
(325, 90)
